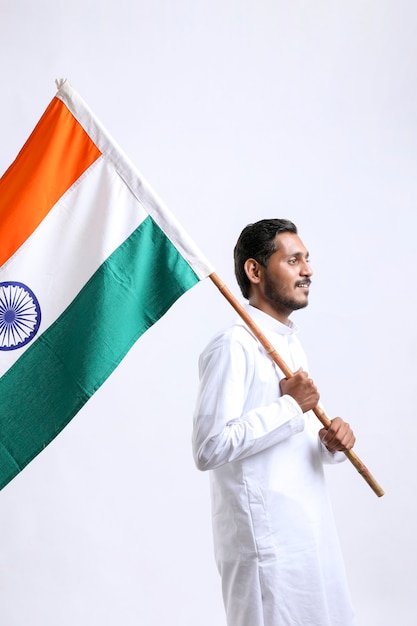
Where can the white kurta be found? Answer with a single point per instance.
(275, 540)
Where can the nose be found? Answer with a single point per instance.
(306, 269)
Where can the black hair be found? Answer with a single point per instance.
(257, 241)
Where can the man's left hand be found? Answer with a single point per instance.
(338, 437)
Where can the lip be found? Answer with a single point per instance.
(303, 284)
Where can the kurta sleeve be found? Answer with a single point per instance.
(224, 429)
(332, 457)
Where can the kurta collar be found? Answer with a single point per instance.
(265, 320)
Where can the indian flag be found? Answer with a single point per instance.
(90, 258)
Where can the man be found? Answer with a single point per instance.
(275, 541)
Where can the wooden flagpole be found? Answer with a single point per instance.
(318, 411)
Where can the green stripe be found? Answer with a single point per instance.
(56, 376)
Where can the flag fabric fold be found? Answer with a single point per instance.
(90, 258)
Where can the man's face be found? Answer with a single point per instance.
(287, 277)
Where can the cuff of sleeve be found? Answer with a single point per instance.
(332, 457)
(297, 422)
(290, 400)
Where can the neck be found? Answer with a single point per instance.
(280, 315)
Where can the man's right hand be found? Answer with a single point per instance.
(302, 389)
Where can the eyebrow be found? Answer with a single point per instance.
(300, 255)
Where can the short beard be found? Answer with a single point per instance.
(280, 301)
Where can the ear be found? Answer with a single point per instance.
(253, 270)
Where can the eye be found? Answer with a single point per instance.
(292, 261)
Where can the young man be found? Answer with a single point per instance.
(275, 541)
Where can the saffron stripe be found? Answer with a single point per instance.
(53, 379)
(85, 227)
(56, 154)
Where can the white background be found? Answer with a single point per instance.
(234, 111)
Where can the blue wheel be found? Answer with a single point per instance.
(20, 315)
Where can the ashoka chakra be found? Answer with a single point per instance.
(20, 315)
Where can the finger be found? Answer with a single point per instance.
(340, 439)
(332, 440)
(350, 440)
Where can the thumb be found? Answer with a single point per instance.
(322, 433)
